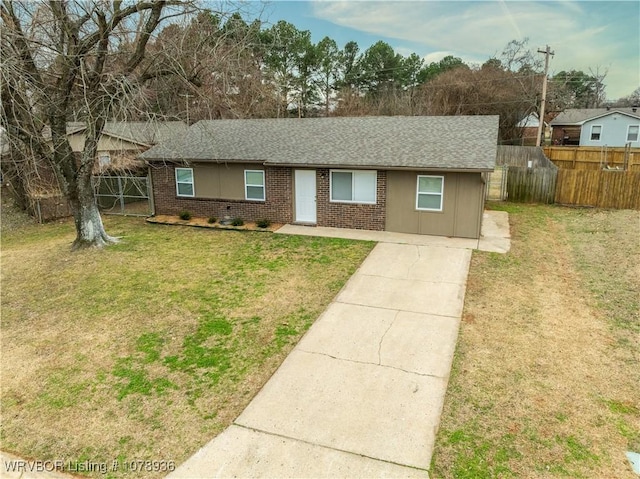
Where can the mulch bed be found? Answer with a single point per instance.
(204, 223)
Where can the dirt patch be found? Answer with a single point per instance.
(540, 376)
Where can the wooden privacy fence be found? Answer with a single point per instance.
(528, 174)
(594, 158)
(531, 185)
(532, 178)
(601, 188)
(521, 156)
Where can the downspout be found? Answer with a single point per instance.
(152, 204)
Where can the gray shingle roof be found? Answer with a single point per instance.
(145, 133)
(577, 116)
(443, 142)
(149, 133)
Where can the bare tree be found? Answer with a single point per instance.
(221, 63)
(489, 90)
(632, 99)
(577, 89)
(598, 75)
(79, 58)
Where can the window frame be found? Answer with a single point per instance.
(637, 133)
(247, 185)
(353, 175)
(599, 134)
(441, 194)
(192, 183)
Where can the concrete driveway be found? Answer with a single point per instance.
(362, 393)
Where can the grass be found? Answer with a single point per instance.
(547, 367)
(148, 349)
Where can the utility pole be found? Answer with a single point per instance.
(186, 97)
(547, 53)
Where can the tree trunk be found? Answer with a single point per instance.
(90, 232)
(89, 228)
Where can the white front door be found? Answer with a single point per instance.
(305, 196)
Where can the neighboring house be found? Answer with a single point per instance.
(37, 187)
(613, 127)
(121, 142)
(406, 174)
(529, 128)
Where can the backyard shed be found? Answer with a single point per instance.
(416, 174)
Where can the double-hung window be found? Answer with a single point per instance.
(184, 182)
(254, 185)
(357, 186)
(632, 132)
(429, 193)
(596, 132)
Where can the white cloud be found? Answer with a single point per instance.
(404, 51)
(478, 30)
(437, 56)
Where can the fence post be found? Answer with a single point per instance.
(121, 195)
(39, 210)
(152, 206)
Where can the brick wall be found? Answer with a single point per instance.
(351, 215)
(277, 207)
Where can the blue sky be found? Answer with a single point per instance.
(583, 34)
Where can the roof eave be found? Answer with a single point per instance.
(194, 160)
(379, 167)
(567, 123)
(323, 165)
(124, 138)
(595, 117)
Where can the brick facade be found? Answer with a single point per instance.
(351, 215)
(276, 208)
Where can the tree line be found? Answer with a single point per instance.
(231, 68)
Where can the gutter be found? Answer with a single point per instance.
(379, 167)
(319, 166)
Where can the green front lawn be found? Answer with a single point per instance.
(148, 349)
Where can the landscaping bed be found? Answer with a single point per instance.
(215, 223)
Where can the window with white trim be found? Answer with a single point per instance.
(254, 185)
(357, 186)
(184, 182)
(632, 132)
(596, 132)
(430, 192)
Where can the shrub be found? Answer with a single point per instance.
(237, 222)
(185, 215)
(264, 223)
(212, 219)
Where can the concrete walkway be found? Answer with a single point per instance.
(362, 393)
(495, 236)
